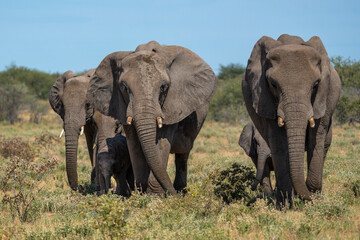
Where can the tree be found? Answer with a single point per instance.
(228, 103)
(12, 100)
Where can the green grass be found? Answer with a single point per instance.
(200, 214)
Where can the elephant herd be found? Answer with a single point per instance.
(158, 97)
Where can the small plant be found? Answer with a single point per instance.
(20, 175)
(355, 187)
(109, 215)
(233, 183)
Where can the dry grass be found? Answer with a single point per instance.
(199, 214)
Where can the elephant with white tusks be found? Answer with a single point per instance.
(290, 91)
(161, 95)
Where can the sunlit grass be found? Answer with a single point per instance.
(199, 214)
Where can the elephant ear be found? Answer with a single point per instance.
(319, 104)
(263, 102)
(193, 83)
(246, 140)
(103, 92)
(56, 93)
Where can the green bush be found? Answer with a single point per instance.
(234, 183)
(20, 174)
(109, 215)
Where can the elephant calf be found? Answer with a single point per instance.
(114, 160)
(256, 148)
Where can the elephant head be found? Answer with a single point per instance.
(153, 86)
(289, 81)
(67, 98)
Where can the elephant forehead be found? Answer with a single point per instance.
(144, 66)
(293, 54)
(294, 62)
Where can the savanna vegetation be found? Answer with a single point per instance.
(37, 203)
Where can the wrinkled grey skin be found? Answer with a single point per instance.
(67, 98)
(294, 80)
(256, 148)
(112, 156)
(114, 160)
(167, 82)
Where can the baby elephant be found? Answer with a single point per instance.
(256, 148)
(114, 160)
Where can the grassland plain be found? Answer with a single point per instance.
(59, 213)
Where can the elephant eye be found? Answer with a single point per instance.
(273, 84)
(163, 92)
(124, 87)
(316, 84)
(164, 87)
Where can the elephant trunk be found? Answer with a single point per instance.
(71, 145)
(296, 123)
(262, 157)
(145, 124)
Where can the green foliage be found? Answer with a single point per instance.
(233, 183)
(12, 99)
(38, 83)
(228, 105)
(109, 215)
(231, 71)
(348, 70)
(348, 107)
(20, 174)
(355, 187)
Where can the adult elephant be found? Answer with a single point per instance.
(67, 98)
(291, 90)
(161, 94)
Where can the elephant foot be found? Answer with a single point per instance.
(284, 197)
(314, 187)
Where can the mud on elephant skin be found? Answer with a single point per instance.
(290, 91)
(256, 148)
(161, 95)
(114, 160)
(67, 98)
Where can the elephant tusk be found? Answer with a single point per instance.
(280, 122)
(94, 146)
(82, 130)
(159, 122)
(62, 132)
(129, 120)
(312, 122)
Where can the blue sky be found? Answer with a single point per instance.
(56, 36)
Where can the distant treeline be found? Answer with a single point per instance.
(22, 89)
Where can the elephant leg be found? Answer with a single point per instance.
(265, 181)
(90, 140)
(180, 181)
(280, 155)
(139, 165)
(122, 188)
(154, 185)
(316, 155)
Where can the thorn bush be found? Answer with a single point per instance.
(233, 183)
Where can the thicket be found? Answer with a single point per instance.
(23, 89)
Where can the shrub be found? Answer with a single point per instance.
(109, 215)
(233, 183)
(20, 176)
(355, 187)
